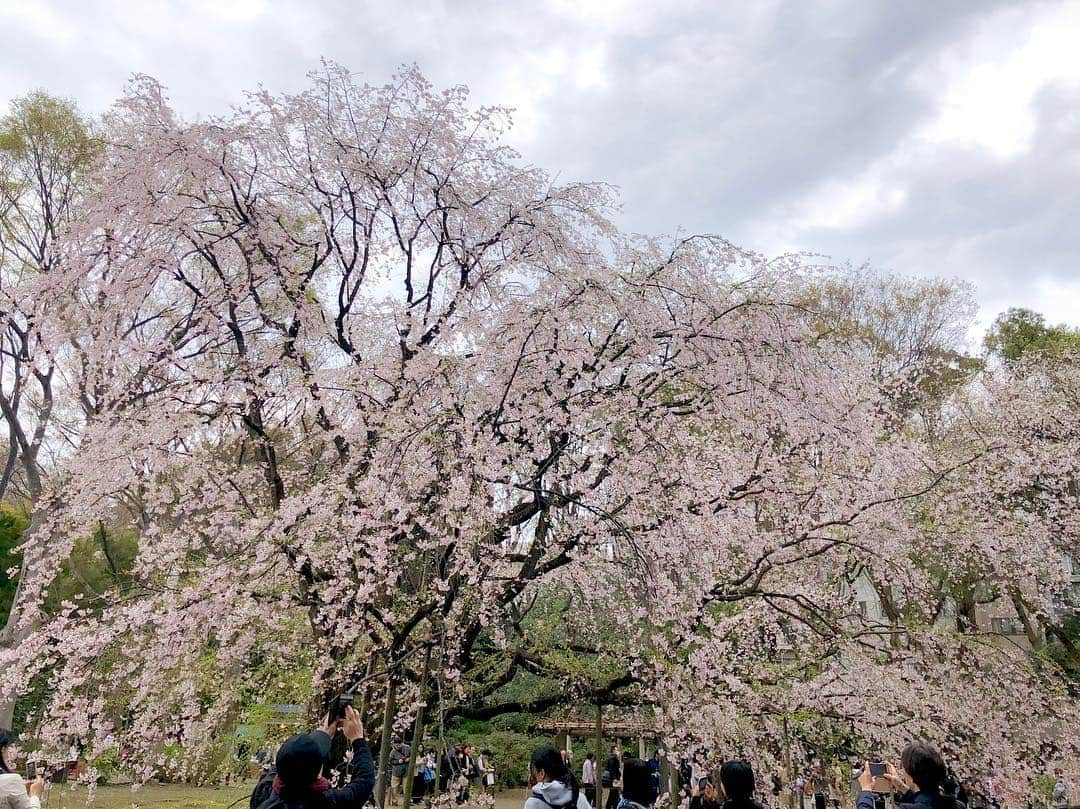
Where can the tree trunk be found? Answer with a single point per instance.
(382, 782)
(673, 782)
(1031, 628)
(365, 698)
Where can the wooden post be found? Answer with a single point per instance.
(382, 776)
(418, 732)
(665, 768)
(790, 764)
(600, 758)
(673, 783)
(443, 748)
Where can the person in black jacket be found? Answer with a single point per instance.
(614, 771)
(705, 795)
(923, 773)
(953, 787)
(298, 782)
(450, 767)
(636, 784)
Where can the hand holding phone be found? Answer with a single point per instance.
(351, 725)
(866, 779)
(339, 704)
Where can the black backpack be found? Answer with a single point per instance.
(263, 790)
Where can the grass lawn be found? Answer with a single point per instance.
(152, 796)
(178, 796)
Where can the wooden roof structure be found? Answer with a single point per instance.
(619, 728)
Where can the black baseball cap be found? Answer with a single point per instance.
(300, 758)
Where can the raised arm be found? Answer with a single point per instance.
(357, 792)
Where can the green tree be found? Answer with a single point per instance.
(1019, 333)
(99, 567)
(47, 153)
(1064, 646)
(13, 522)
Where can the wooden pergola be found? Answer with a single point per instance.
(565, 730)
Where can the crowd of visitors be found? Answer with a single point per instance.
(922, 781)
(817, 788)
(462, 770)
(304, 774)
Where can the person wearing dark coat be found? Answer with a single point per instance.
(654, 773)
(924, 773)
(447, 768)
(614, 769)
(297, 781)
(468, 770)
(704, 795)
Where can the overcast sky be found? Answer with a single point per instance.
(934, 138)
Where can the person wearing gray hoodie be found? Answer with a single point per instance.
(554, 786)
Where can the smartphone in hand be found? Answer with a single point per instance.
(340, 703)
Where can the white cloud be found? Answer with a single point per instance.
(991, 81)
(232, 10)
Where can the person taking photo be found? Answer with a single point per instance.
(918, 783)
(298, 782)
(15, 793)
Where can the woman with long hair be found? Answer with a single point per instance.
(15, 793)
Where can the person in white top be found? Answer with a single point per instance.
(588, 779)
(15, 793)
(487, 771)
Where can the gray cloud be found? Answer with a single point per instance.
(1008, 224)
(742, 119)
